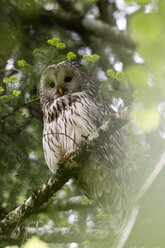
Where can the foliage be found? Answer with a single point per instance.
(91, 58)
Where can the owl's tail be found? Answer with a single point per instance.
(106, 187)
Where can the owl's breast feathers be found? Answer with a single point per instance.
(66, 122)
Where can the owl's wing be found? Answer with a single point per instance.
(114, 148)
(113, 153)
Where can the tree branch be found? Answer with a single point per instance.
(104, 30)
(83, 25)
(68, 6)
(37, 198)
(63, 18)
(64, 173)
(106, 12)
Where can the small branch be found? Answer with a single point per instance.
(57, 235)
(74, 202)
(64, 173)
(9, 71)
(17, 108)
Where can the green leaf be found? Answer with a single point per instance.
(54, 41)
(87, 57)
(21, 199)
(111, 73)
(21, 63)
(1, 89)
(71, 55)
(95, 58)
(10, 80)
(61, 45)
(50, 42)
(121, 77)
(6, 80)
(4, 97)
(101, 215)
(16, 92)
(13, 79)
(91, 58)
(85, 201)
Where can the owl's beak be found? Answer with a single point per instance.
(60, 90)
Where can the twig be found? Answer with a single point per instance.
(17, 108)
(58, 235)
(45, 134)
(9, 70)
(74, 202)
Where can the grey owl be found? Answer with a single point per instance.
(72, 110)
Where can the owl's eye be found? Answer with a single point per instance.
(67, 79)
(52, 84)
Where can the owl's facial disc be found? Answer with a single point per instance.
(60, 80)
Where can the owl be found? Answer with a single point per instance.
(72, 110)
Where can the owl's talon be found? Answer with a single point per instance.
(66, 156)
(85, 136)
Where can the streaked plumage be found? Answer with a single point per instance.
(72, 110)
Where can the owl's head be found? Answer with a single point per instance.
(65, 78)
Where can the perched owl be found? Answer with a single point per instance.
(72, 110)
